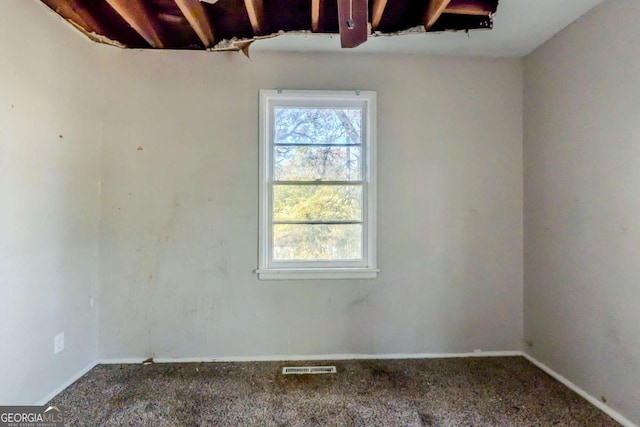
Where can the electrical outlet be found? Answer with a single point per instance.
(91, 302)
(58, 343)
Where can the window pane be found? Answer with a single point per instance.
(317, 242)
(317, 203)
(294, 163)
(299, 125)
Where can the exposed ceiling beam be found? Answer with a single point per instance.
(353, 21)
(315, 15)
(198, 19)
(255, 10)
(377, 11)
(469, 7)
(136, 15)
(77, 13)
(434, 10)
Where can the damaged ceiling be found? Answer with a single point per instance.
(235, 24)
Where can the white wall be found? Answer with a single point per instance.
(49, 174)
(179, 215)
(582, 204)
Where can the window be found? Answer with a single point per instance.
(317, 185)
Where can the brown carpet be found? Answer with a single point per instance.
(500, 391)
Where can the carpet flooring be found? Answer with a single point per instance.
(497, 391)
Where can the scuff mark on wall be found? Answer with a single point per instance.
(361, 300)
(359, 312)
(222, 264)
(166, 267)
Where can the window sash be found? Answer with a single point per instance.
(360, 262)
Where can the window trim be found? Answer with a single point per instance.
(278, 270)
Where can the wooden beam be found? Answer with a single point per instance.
(136, 15)
(353, 21)
(434, 10)
(315, 15)
(74, 11)
(197, 17)
(377, 11)
(255, 10)
(469, 7)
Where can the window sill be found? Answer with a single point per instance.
(317, 273)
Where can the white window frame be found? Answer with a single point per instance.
(269, 269)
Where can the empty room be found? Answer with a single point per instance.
(320, 213)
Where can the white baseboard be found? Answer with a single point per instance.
(595, 402)
(287, 358)
(67, 383)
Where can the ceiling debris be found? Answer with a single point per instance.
(224, 25)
